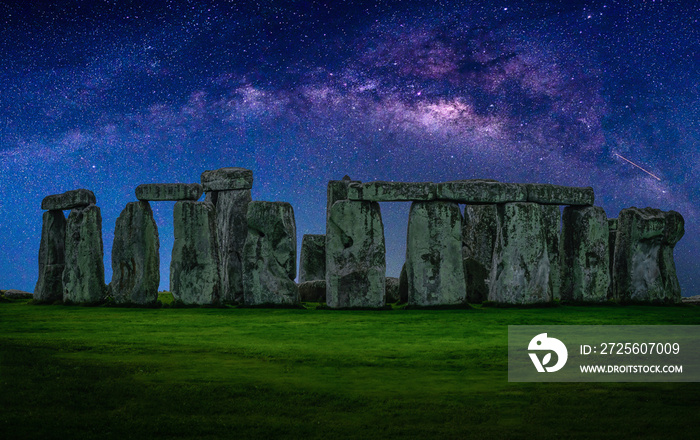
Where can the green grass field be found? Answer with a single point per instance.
(102, 372)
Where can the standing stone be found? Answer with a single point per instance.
(478, 239)
(229, 190)
(135, 256)
(403, 285)
(612, 236)
(312, 261)
(84, 274)
(434, 255)
(520, 267)
(231, 230)
(355, 255)
(49, 286)
(312, 291)
(551, 221)
(269, 255)
(392, 290)
(194, 267)
(585, 262)
(644, 269)
(337, 190)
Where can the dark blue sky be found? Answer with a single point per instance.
(107, 97)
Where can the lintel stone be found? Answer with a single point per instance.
(78, 198)
(547, 194)
(481, 191)
(226, 179)
(168, 191)
(392, 191)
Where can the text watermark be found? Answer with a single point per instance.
(603, 353)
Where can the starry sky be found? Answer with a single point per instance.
(107, 95)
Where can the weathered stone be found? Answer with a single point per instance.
(269, 255)
(49, 286)
(169, 191)
(392, 290)
(643, 268)
(403, 285)
(16, 294)
(481, 191)
(77, 198)
(337, 190)
(312, 291)
(135, 256)
(434, 255)
(478, 239)
(392, 191)
(312, 261)
(225, 179)
(691, 300)
(231, 230)
(585, 255)
(551, 222)
(612, 236)
(84, 274)
(355, 255)
(520, 268)
(547, 194)
(194, 266)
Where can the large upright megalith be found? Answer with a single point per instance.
(338, 190)
(355, 255)
(392, 290)
(312, 258)
(520, 268)
(312, 291)
(478, 239)
(585, 257)
(229, 189)
(84, 276)
(644, 269)
(49, 286)
(194, 267)
(434, 255)
(403, 285)
(612, 238)
(551, 222)
(232, 229)
(269, 255)
(135, 256)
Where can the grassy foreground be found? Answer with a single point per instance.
(79, 372)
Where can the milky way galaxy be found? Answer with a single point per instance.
(107, 96)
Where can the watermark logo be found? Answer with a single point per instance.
(604, 353)
(542, 343)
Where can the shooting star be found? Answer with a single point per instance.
(649, 173)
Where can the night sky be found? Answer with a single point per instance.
(107, 95)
